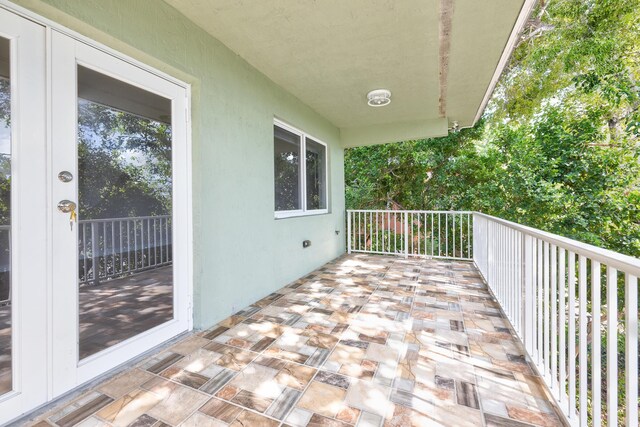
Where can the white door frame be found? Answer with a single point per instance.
(28, 215)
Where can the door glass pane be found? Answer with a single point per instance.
(5, 218)
(316, 175)
(287, 170)
(124, 211)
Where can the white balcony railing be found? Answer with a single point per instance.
(564, 299)
(107, 248)
(115, 247)
(435, 234)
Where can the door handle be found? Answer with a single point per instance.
(65, 176)
(66, 206)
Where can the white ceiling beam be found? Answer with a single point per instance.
(393, 132)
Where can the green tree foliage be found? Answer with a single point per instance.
(5, 101)
(287, 183)
(315, 160)
(124, 162)
(558, 146)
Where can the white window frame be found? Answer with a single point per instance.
(303, 170)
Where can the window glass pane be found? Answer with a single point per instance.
(125, 194)
(5, 218)
(287, 170)
(316, 175)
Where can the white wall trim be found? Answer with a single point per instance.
(523, 17)
(189, 226)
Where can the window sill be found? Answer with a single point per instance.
(295, 214)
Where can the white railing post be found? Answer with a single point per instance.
(475, 242)
(489, 276)
(349, 232)
(612, 347)
(95, 261)
(582, 335)
(529, 296)
(406, 234)
(596, 341)
(631, 348)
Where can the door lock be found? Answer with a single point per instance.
(66, 206)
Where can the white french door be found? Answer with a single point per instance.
(23, 219)
(94, 212)
(119, 186)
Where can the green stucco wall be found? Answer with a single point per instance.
(241, 253)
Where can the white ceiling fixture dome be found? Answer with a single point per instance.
(379, 98)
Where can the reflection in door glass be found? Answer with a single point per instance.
(125, 272)
(5, 219)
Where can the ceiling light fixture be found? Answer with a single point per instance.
(379, 98)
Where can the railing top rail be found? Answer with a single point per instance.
(407, 211)
(616, 260)
(130, 218)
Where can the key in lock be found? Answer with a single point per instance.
(67, 206)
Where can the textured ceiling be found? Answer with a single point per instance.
(330, 53)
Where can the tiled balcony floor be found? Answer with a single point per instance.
(364, 340)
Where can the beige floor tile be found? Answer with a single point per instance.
(246, 419)
(200, 420)
(198, 361)
(236, 359)
(406, 417)
(220, 410)
(381, 353)
(295, 376)
(370, 397)
(189, 345)
(92, 422)
(231, 321)
(129, 407)
(258, 379)
(323, 399)
(346, 354)
(124, 383)
(177, 405)
(459, 416)
(532, 416)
